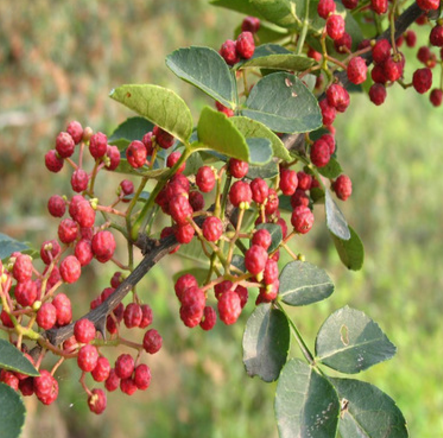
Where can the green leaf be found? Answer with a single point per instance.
(266, 342)
(260, 150)
(280, 12)
(143, 197)
(263, 171)
(331, 170)
(349, 341)
(242, 6)
(284, 104)
(204, 68)
(253, 129)
(8, 245)
(302, 283)
(131, 129)
(335, 220)
(367, 411)
(275, 57)
(217, 132)
(14, 360)
(12, 412)
(284, 203)
(276, 234)
(161, 106)
(351, 252)
(306, 404)
(268, 33)
(239, 262)
(193, 163)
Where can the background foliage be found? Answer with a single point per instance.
(59, 60)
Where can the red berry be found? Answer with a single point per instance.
(116, 279)
(212, 228)
(112, 157)
(83, 252)
(196, 200)
(270, 292)
(378, 74)
(53, 162)
(379, 6)
(163, 138)
(26, 293)
(146, 316)
(342, 187)
(49, 250)
(9, 378)
(325, 7)
(209, 318)
(124, 366)
(357, 70)
(142, 376)
(422, 80)
(22, 269)
(103, 246)
(436, 36)
(377, 94)
(46, 316)
(113, 381)
(283, 226)
(184, 282)
(304, 180)
(411, 38)
(255, 259)
(343, 44)
(428, 5)
(328, 112)
(229, 53)
(244, 45)
(147, 141)
(84, 331)
(238, 168)
(242, 292)
(56, 206)
(272, 203)
(97, 401)
(262, 238)
(46, 387)
(302, 219)
(98, 145)
(222, 287)
(70, 269)
(260, 190)
(132, 315)
(184, 233)
(240, 194)
(393, 70)
(436, 97)
(82, 212)
(67, 231)
(381, 50)
(229, 307)
(63, 309)
(270, 274)
(335, 26)
(79, 180)
(205, 179)
(5, 319)
(250, 24)
(152, 341)
(128, 386)
(338, 97)
(172, 159)
(26, 386)
(64, 145)
(223, 109)
(136, 154)
(350, 4)
(424, 54)
(329, 138)
(75, 130)
(101, 371)
(320, 153)
(288, 181)
(180, 209)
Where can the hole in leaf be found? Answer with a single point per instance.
(344, 332)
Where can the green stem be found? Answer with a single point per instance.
(304, 30)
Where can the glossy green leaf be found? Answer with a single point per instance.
(193, 163)
(14, 360)
(242, 6)
(331, 170)
(8, 245)
(275, 57)
(368, 412)
(284, 104)
(12, 413)
(306, 404)
(276, 235)
(351, 252)
(264, 171)
(349, 341)
(217, 132)
(254, 129)
(266, 342)
(207, 70)
(284, 203)
(161, 106)
(281, 12)
(335, 220)
(260, 150)
(302, 283)
(131, 129)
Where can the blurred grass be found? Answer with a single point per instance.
(73, 54)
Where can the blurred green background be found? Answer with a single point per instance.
(58, 62)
